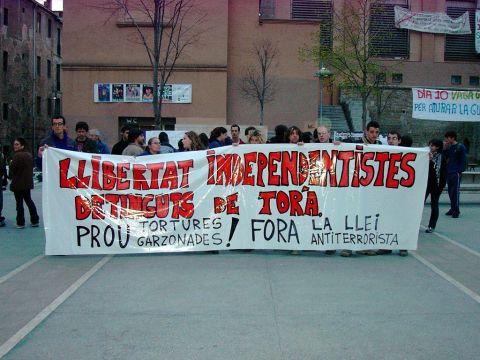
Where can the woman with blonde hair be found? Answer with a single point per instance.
(256, 137)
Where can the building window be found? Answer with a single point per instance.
(474, 81)
(39, 105)
(39, 23)
(49, 107)
(461, 47)
(5, 16)
(5, 61)
(456, 80)
(385, 40)
(59, 43)
(311, 9)
(318, 10)
(58, 77)
(49, 69)
(397, 78)
(381, 78)
(49, 29)
(266, 9)
(5, 111)
(39, 66)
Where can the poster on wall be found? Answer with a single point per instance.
(276, 196)
(172, 93)
(445, 105)
(133, 93)
(102, 92)
(147, 93)
(118, 92)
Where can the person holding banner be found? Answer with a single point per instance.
(118, 148)
(294, 136)
(256, 137)
(217, 137)
(370, 137)
(191, 142)
(83, 143)
(57, 138)
(21, 173)
(135, 146)
(153, 147)
(456, 155)
(437, 178)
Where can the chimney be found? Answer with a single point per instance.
(48, 4)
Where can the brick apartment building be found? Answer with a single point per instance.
(30, 43)
(102, 48)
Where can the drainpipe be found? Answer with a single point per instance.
(34, 72)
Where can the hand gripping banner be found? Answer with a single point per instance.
(285, 197)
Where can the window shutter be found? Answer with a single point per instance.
(386, 41)
(461, 47)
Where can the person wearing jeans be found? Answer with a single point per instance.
(456, 155)
(21, 174)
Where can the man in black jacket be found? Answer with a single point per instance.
(123, 143)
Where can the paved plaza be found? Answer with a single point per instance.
(237, 305)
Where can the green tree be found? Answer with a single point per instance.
(351, 52)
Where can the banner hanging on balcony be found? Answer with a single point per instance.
(285, 197)
(446, 105)
(438, 23)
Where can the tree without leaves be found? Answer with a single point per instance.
(165, 28)
(256, 84)
(353, 55)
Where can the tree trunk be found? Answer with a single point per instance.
(261, 113)
(364, 112)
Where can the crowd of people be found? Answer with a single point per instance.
(447, 159)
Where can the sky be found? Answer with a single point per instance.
(56, 4)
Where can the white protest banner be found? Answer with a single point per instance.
(286, 197)
(446, 105)
(438, 23)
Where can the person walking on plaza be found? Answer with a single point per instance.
(21, 174)
(456, 155)
(437, 178)
(3, 174)
(136, 141)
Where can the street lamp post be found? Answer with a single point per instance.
(323, 73)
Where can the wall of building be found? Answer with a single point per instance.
(20, 80)
(296, 89)
(111, 53)
(100, 49)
